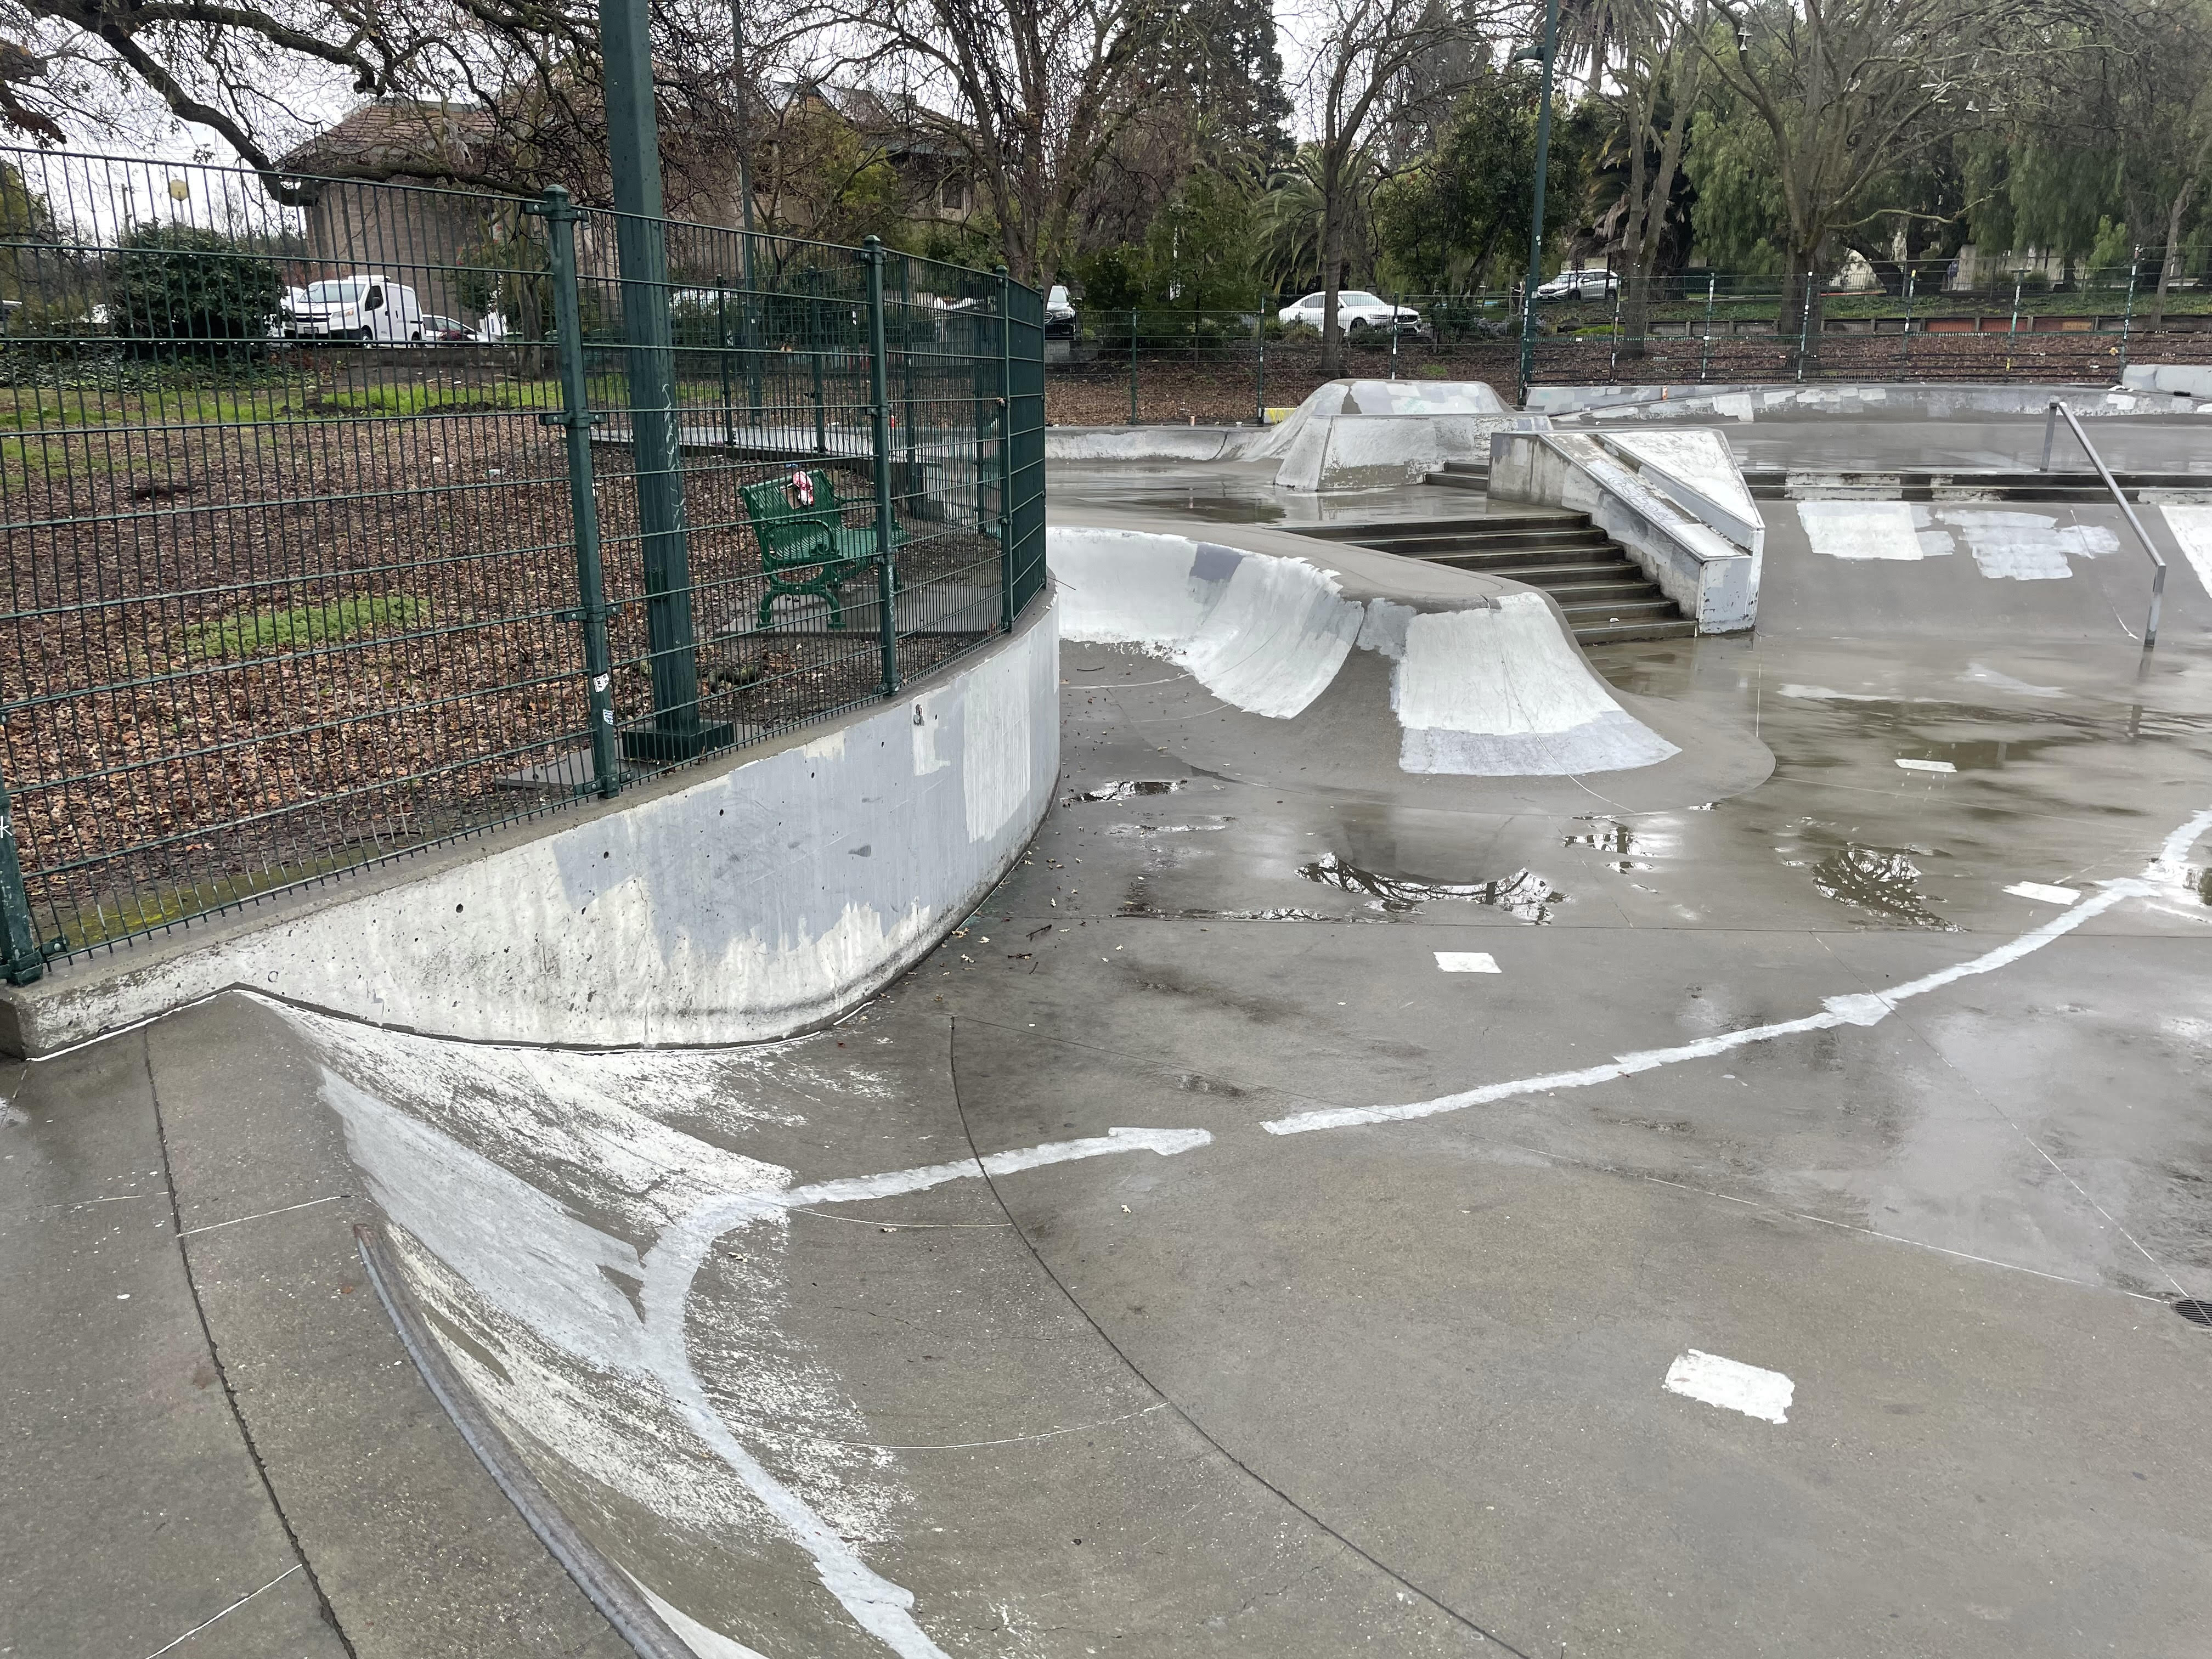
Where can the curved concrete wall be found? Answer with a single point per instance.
(736, 905)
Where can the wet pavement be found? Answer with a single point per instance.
(1296, 1219)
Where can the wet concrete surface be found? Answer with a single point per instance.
(1310, 1299)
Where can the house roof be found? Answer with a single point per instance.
(394, 135)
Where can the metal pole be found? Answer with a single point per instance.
(722, 327)
(879, 394)
(1612, 371)
(2012, 334)
(2050, 431)
(817, 345)
(1394, 298)
(583, 504)
(1905, 341)
(751, 318)
(1006, 453)
(641, 259)
(2127, 321)
(1545, 55)
(1705, 357)
(21, 958)
(1260, 363)
(1133, 368)
(1805, 320)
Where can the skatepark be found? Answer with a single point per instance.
(1541, 1031)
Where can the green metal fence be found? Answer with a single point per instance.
(339, 525)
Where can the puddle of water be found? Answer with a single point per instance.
(1211, 509)
(1523, 894)
(1165, 829)
(1127, 789)
(1881, 882)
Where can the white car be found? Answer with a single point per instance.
(1358, 313)
(1592, 284)
(367, 308)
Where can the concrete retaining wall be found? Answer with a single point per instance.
(737, 904)
(1712, 579)
(2175, 379)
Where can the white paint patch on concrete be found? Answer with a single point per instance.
(1976, 674)
(2027, 547)
(703, 1640)
(1466, 962)
(2192, 530)
(1869, 1008)
(2036, 891)
(997, 746)
(1871, 529)
(1927, 766)
(1829, 694)
(1731, 1385)
(1500, 691)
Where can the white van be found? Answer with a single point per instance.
(367, 308)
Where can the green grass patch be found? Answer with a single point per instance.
(419, 399)
(23, 460)
(250, 633)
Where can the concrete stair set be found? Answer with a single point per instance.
(1604, 595)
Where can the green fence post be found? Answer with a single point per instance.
(656, 439)
(879, 395)
(1905, 345)
(1006, 455)
(561, 218)
(722, 325)
(1133, 368)
(816, 346)
(1260, 363)
(2012, 333)
(21, 959)
(1393, 334)
(2127, 319)
(1705, 357)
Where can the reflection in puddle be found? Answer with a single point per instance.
(1125, 789)
(1607, 837)
(1165, 829)
(1523, 894)
(1882, 883)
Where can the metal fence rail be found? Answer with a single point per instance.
(338, 526)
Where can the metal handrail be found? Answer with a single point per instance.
(2158, 576)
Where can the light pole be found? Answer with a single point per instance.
(1545, 55)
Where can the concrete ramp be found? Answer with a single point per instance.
(1345, 669)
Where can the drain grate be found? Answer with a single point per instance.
(2196, 1312)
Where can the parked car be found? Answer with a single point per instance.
(365, 307)
(438, 330)
(1359, 315)
(1058, 314)
(1591, 284)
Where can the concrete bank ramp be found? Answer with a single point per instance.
(1349, 669)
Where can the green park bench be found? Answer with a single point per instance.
(810, 550)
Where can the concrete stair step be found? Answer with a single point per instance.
(1609, 611)
(1679, 629)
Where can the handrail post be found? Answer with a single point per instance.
(561, 216)
(22, 961)
(2135, 524)
(2050, 431)
(879, 394)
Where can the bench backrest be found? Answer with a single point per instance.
(786, 530)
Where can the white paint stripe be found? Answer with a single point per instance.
(1466, 962)
(260, 1215)
(1732, 1385)
(1864, 1009)
(881, 1607)
(2036, 889)
(1927, 766)
(232, 1607)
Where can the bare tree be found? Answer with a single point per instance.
(1034, 92)
(1371, 58)
(1849, 91)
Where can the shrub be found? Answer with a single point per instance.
(182, 290)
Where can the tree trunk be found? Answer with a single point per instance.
(2170, 255)
(1332, 266)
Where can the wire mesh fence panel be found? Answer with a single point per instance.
(309, 490)
(285, 546)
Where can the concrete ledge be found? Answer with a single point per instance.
(1714, 580)
(1934, 400)
(748, 901)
